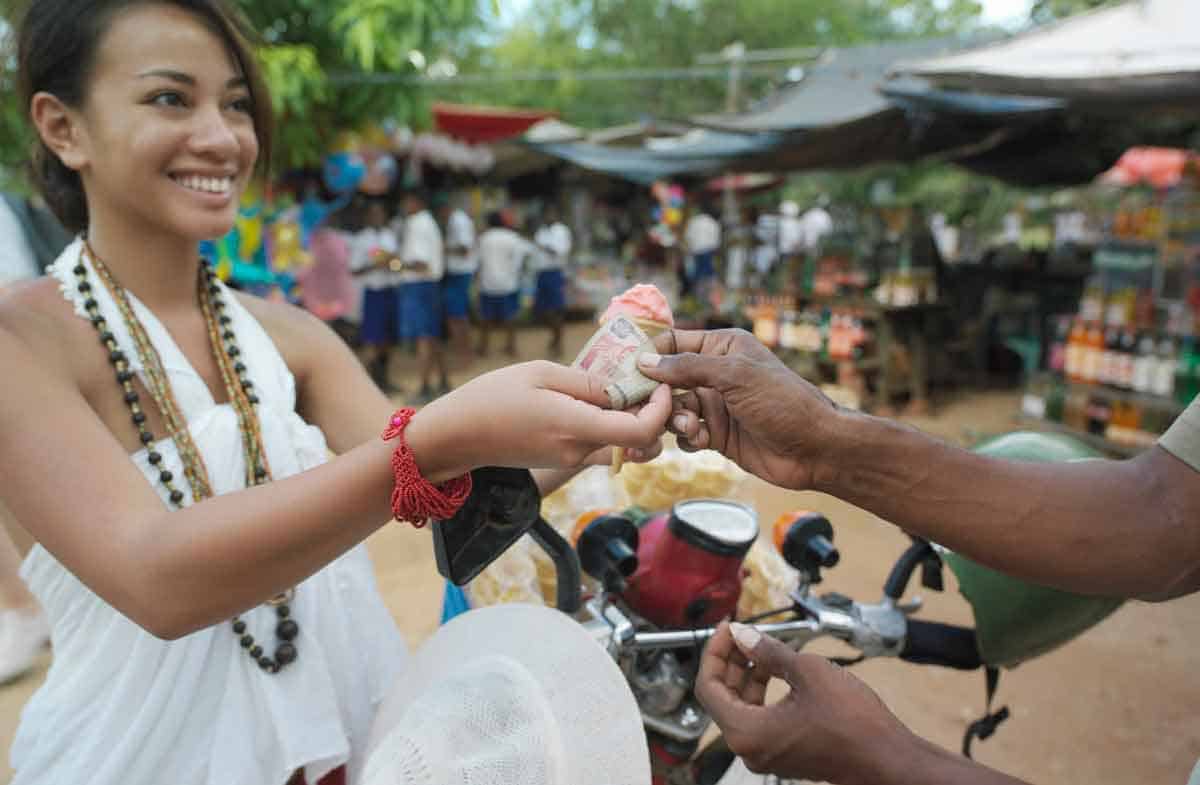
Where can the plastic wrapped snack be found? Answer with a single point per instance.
(768, 580)
(676, 476)
(513, 577)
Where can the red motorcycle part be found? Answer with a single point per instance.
(690, 563)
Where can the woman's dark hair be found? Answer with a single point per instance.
(57, 44)
(495, 219)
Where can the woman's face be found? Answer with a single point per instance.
(167, 135)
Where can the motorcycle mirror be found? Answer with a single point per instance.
(504, 505)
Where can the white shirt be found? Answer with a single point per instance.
(501, 253)
(422, 243)
(816, 223)
(791, 234)
(555, 243)
(17, 262)
(460, 233)
(122, 707)
(362, 257)
(703, 234)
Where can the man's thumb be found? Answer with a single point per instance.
(764, 651)
(685, 371)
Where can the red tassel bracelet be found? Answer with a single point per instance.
(415, 499)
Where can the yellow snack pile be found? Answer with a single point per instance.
(677, 476)
(768, 580)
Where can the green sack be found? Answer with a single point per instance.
(1016, 620)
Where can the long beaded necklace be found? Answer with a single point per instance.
(241, 395)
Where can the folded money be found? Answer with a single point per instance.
(612, 355)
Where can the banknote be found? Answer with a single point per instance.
(612, 355)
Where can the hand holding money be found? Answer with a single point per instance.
(612, 355)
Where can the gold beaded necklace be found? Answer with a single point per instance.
(242, 398)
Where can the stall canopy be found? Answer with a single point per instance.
(694, 154)
(485, 124)
(1145, 50)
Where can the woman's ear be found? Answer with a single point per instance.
(59, 129)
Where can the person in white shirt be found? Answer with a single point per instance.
(461, 263)
(701, 239)
(422, 266)
(553, 239)
(374, 249)
(816, 224)
(791, 230)
(502, 252)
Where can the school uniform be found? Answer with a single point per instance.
(460, 265)
(501, 254)
(379, 324)
(554, 241)
(420, 306)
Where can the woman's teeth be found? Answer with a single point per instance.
(209, 185)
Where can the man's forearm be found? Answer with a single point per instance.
(1098, 527)
(927, 764)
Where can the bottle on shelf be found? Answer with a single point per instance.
(1164, 370)
(1076, 344)
(1109, 357)
(1093, 354)
(1145, 364)
(1126, 360)
(1056, 360)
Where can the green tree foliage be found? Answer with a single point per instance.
(314, 53)
(1049, 10)
(573, 36)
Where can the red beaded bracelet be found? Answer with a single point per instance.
(415, 499)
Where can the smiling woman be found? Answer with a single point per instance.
(214, 614)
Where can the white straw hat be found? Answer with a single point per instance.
(509, 695)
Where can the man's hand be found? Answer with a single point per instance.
(743, 402)
(829, 728)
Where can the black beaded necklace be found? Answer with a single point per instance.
(241, 395)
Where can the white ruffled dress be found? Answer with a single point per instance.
(122, 707)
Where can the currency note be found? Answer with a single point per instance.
(612, 355)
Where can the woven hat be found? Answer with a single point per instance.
(509, 695)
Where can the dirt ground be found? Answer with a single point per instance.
(1117, 705)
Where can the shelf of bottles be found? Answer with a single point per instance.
(1123, 367)
(823, 332)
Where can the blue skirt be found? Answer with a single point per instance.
(420, 310)
(499, 307)
(551, 291)
(456, 295)
(379, 316)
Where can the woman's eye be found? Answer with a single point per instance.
(168, 99)
(243, 104)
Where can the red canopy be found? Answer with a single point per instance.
(483, 124)
(1161, 167)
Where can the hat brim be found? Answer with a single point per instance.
(598, 719)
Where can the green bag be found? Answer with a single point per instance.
(1016, 620)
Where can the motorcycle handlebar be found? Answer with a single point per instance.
(934, 643)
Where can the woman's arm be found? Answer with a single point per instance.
(70, 482)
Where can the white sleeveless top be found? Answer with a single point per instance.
(121, 707)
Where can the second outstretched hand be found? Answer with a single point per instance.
(829, 727)
(531, 415)
(740, 400)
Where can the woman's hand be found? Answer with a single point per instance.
(532, 415)
(743, 402)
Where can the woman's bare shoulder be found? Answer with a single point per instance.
(36, 314)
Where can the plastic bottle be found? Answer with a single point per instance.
(1093, 354)
(1144, 364)
(1076, 340)
(1164, 371)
